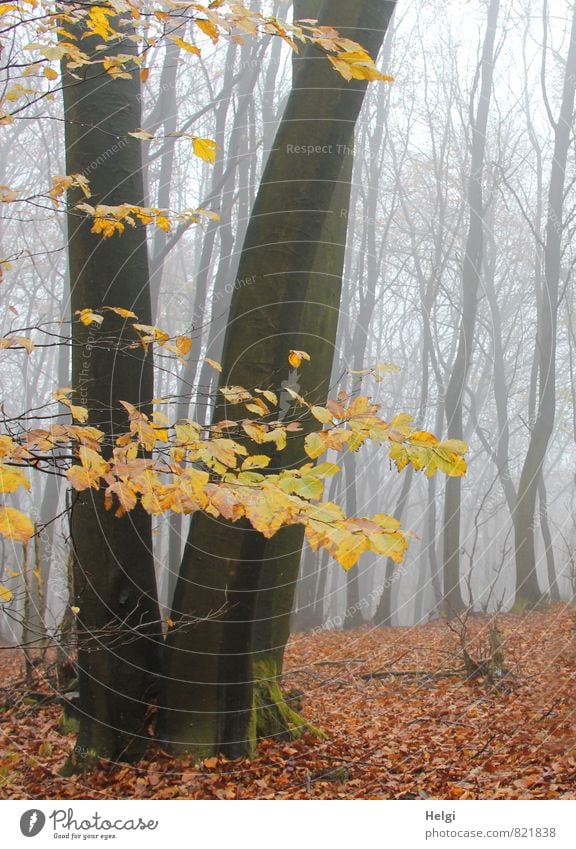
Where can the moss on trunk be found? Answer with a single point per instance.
(290, 303)
(272, 716)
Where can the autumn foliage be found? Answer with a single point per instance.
(224, 469)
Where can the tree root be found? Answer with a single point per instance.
(273, 717)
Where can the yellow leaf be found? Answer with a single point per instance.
(392, 545)
(358, 65)
(450, 463)
(80, 414)
(183, 345)
(188, 434)
(326, 470)
(205, 149)
(15, 525)
(321, 414)
(384, 368)
(18, 91)
(256, 461)
(456, 445)
(185, 45)
(296, 357)
(151, 333)
(17, 342)
(235, 394)
(359, 406)
(11, 478)
(277, 436)
(122, 312)
(88, 474)
(256, 432)
(50, 74)
(125, 494)
(309, 487)
(144, 135)
(144, 74)
(350, 549)
(258, 406)
(387, 523)
(7, 195)
(98, 23)
(314, 445)
(163, 223)
(268, 394)
(224, 451)
(5, 594)
(87, 317)
(422, 437)
(209, 28)
(213, 363)
(402, 420)
(106, 227)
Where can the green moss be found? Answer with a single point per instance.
(79, 761)
(69, 724)
(272, 716)
(523, 605)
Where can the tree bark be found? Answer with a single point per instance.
(289, 305)
(118, 622)
(471, 272)
(527, 588)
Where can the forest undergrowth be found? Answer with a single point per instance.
(402, 717)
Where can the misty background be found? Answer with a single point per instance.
(450, 163)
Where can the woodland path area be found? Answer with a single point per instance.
(401, 722)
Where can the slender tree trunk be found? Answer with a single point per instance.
(470, 284)
(527, 588)
(547, 538)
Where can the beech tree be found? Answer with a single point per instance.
(230, 694)
(114, 580)
(471, 276)
(545, 356)
(130, 462)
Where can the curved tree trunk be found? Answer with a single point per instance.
(527, 588)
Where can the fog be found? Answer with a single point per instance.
(459, 272)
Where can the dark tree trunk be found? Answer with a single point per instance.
(290, 305)
(113, 564)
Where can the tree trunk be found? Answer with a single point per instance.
(527, 588)
(289, 305)
(118, 622)
(470, 284)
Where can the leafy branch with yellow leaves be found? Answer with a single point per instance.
(227, 469)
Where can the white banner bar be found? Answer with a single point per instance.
(411, 824)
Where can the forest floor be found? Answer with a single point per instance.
(418, 729)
